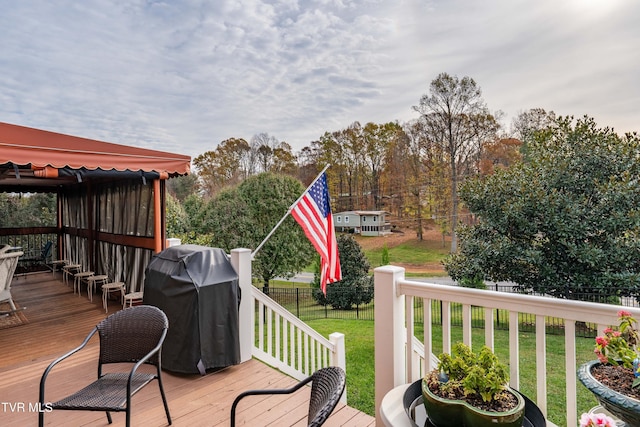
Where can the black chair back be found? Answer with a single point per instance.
(130, 334)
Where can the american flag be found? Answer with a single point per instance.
(313, 213)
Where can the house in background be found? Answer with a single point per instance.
(366, 223)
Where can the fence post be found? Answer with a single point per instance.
(338, 358)
(241, 262)
(389, 329)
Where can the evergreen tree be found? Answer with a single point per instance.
(356, 286)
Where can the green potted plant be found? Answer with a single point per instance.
(469, 389)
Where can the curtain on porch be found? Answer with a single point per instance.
(120, 212)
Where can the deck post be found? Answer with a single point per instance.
(389, 333)
(241, 261)
(339, 357)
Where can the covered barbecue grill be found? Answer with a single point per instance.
(197, 288)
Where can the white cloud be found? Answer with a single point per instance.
(184, 75)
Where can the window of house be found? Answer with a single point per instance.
(364, 219)
(375, 218)
(338, 218)
(346, 219)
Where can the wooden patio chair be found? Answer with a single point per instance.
(327, 385)
(8, 263)
(134, 335)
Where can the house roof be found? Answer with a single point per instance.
(38, 158)
(362, 212)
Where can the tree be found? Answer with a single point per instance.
(176, 217)
(244, 215)
(226, 165)
(196, 233)
(378, 140)
(183, 186)
(455, 117)
(28, 210)
(528, 124)
(565, 223)
(409, 164)
(356, 286)
(499, 154)
(284, 161)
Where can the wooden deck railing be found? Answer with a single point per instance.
(394, 328)
(273, 335)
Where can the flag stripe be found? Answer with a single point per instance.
(313, 213)
(312, 225)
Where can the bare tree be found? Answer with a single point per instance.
(456, 117)
(264, 146)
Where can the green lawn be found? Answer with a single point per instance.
(411, 252)
(360, 363)
(360, 343)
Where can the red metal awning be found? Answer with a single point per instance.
(22, 145)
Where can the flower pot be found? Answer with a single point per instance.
(623, 407)
(458, 413)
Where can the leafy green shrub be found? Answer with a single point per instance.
(475, 282)
(385, 255)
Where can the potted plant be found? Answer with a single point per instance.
(469, 389)
(614, 377)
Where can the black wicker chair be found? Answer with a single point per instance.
(326, 388)
(134, 335)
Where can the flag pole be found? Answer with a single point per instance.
(253, 254)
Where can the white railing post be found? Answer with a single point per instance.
(241, 262)
(339, 357)
(389, 333)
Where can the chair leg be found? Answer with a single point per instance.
(109, 417)
(164, 399)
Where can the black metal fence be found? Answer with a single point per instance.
(302, 303)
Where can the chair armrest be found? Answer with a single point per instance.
(60, 359)
(155, 350)
(263, 392)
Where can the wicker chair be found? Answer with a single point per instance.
(326, 388)
(134, 335)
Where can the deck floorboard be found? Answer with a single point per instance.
(58, 321)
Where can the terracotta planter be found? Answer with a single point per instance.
(623, 407)
(457, 413)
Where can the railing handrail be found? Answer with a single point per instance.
(394, 326)
(298, 360)
(292, 346)
(286, 314)
(533, 304)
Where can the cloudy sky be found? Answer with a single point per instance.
(184, 75)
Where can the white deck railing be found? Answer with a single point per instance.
(394, 327)
(273, 335)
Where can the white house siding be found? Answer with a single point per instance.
(367, 223)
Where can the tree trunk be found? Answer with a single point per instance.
(420, 236)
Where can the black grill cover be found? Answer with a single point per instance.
(197, 288)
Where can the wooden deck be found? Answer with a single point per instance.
(58, 321)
